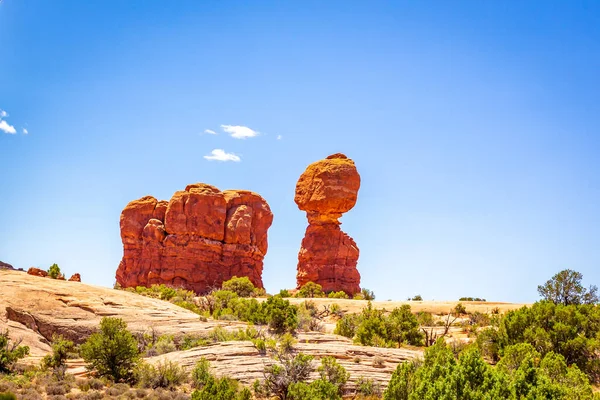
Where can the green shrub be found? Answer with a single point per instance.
(470, 299)
(459, 309)
(310, 290)
(112, 352)
(54, 271)
(208, 387)
(284, 293)
(281, 315)
(519, 375)
(61, 348)
(338, 295)
(10, 352)
(7, 396)
(367, 294)
(201, 373)
(346, 326)
(416, 298)
(373, 328)
(243, 287)
(190, 341)
(569, 330)
(367, 387)
(289, 370)
(221, 389)
(166, 374)
(331, 371)
(319, 389)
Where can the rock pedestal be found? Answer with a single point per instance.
(328, 256)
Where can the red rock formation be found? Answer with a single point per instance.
(197, 240)
(75, 278)
(327, 189)
(37, 272)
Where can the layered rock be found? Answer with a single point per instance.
(328, 256)
(197, 240)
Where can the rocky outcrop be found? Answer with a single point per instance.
(37, 272)
(75, 278)
(35, 309)
(328, 256)
(4, 265)
(197, 240)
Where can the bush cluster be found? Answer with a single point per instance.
(521, 374)
(572, 331)
(209, 387)
(373, 327)
(470, 299)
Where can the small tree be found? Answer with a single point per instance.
(243, 287)
(311, 289)
(10, 352)
(565, 288)
(61, 348)
(367, 294)
(281, 315)
(54, 271)
(112, 352)
(290, 370)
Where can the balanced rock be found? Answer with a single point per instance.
(197, 240)
(328, 256)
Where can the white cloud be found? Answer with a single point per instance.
(210, 132)
(221, 155)
(25, 131)
(3, 114)
(239, 132)
(279, 137)
(6, 128)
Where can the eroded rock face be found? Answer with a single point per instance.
(328, 256)
(37, 272)
(197, 240)
(75, 278)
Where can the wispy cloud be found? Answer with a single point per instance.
(279, 137)
(221, 155)
(6, 128)
(25, 131)
(239, 132)
(3, 114)
(210, 132)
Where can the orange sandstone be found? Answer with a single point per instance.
(197, 240)
(328, 256)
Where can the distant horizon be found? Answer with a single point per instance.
(474, 127)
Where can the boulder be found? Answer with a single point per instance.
(37, 272)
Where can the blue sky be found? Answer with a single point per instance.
(475, 127)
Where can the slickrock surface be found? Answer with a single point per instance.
(328, 256)
(197, 240)
(241, 360)
(34, 308)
